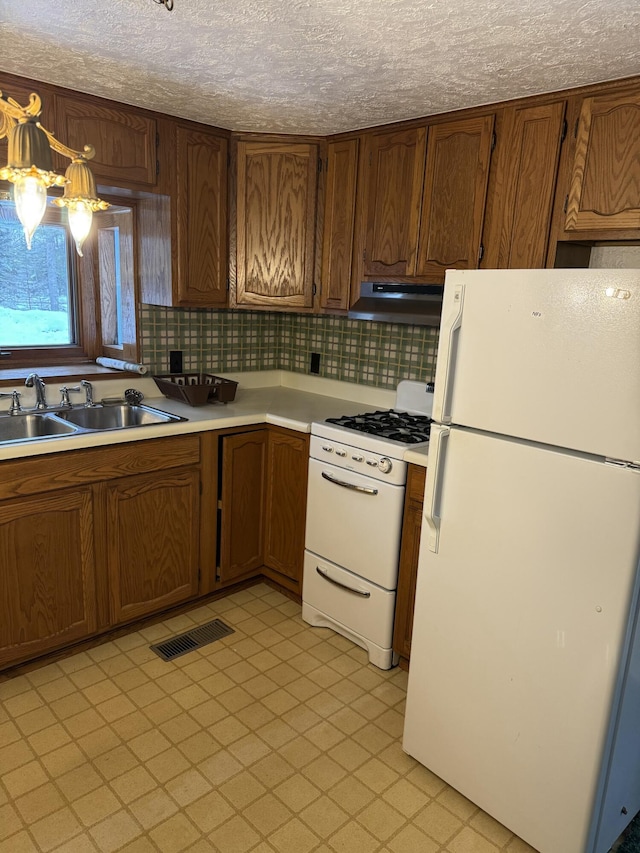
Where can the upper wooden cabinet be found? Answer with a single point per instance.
(455, 188)
(276, 207)
(522, 187)
(604, 190)
(393, 196)
(201, 218)
(124, 138)
(339, 223)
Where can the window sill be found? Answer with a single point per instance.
(61, 372)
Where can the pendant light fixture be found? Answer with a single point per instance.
(29, 169)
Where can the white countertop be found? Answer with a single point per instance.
(276, 397)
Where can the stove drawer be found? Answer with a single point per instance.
(362, 607)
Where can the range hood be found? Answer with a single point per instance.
(390, 302)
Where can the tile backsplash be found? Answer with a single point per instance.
(379, 354)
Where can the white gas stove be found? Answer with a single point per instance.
(354, 518)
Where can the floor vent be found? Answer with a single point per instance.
(194, 639)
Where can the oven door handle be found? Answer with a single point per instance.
(359, 592)
(366, 490)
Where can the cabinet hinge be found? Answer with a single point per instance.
(157, 168)
(319, 164)
(481, 252)
(563, 133)
(493, 141)
(566, 203)
(575, 129)
(228, 284)
(314, 290)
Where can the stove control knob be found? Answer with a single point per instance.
(385, 465)
(327, 448)
(341, 452)
(372, 462)
(357, 458)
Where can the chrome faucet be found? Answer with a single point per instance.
(88, 390)
(35, 381)
(65, 402)
(15, 408)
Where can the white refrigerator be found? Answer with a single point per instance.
(524, 681)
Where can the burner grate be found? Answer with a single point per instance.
(396, 426)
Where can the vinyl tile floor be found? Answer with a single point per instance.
(279, 738)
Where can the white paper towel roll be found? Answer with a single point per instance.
(131, 366)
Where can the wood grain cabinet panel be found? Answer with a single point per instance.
(124, 140)
(276, 206)
(201, 218)
(521, 202)
(408, 568)
(242, 504)
(47, 583)
(286, 505)
(394, 191)
(152, 548)
(604, 192)
(339, 223)
(455, 188)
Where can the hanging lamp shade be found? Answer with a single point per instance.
(80, 199)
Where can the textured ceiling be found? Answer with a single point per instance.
(318, 66)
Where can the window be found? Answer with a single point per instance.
(56, 307)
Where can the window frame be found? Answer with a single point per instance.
(84, 280)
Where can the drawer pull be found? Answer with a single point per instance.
(342, 585)
(364, 489)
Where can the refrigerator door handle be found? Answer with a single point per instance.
(437, 449)
(449, 328)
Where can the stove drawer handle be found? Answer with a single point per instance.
(360, 592)
(364, 489)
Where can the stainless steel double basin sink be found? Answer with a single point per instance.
(55, 423)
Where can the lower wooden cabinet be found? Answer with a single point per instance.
(263, 496)
(47, 582)
(152, 530)
(408, 570)
(95, 538)
(241, 504)
(286, 506)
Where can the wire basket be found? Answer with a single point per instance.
(196, 389)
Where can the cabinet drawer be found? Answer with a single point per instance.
(56, 471)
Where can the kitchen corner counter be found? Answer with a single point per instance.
(292, 401)
(417, 457)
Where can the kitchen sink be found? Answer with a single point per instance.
(79, 421)
(22, 427)
(116, 417)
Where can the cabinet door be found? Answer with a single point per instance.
(396, 176)
(152, 531)
(605, 183)
(455, 189)
(201, 218)
(408, 567)
(524, 188)
(276, 224)
(47, 583)
(286, 505)
(241, 502)
(124, 140)
(339, 222)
